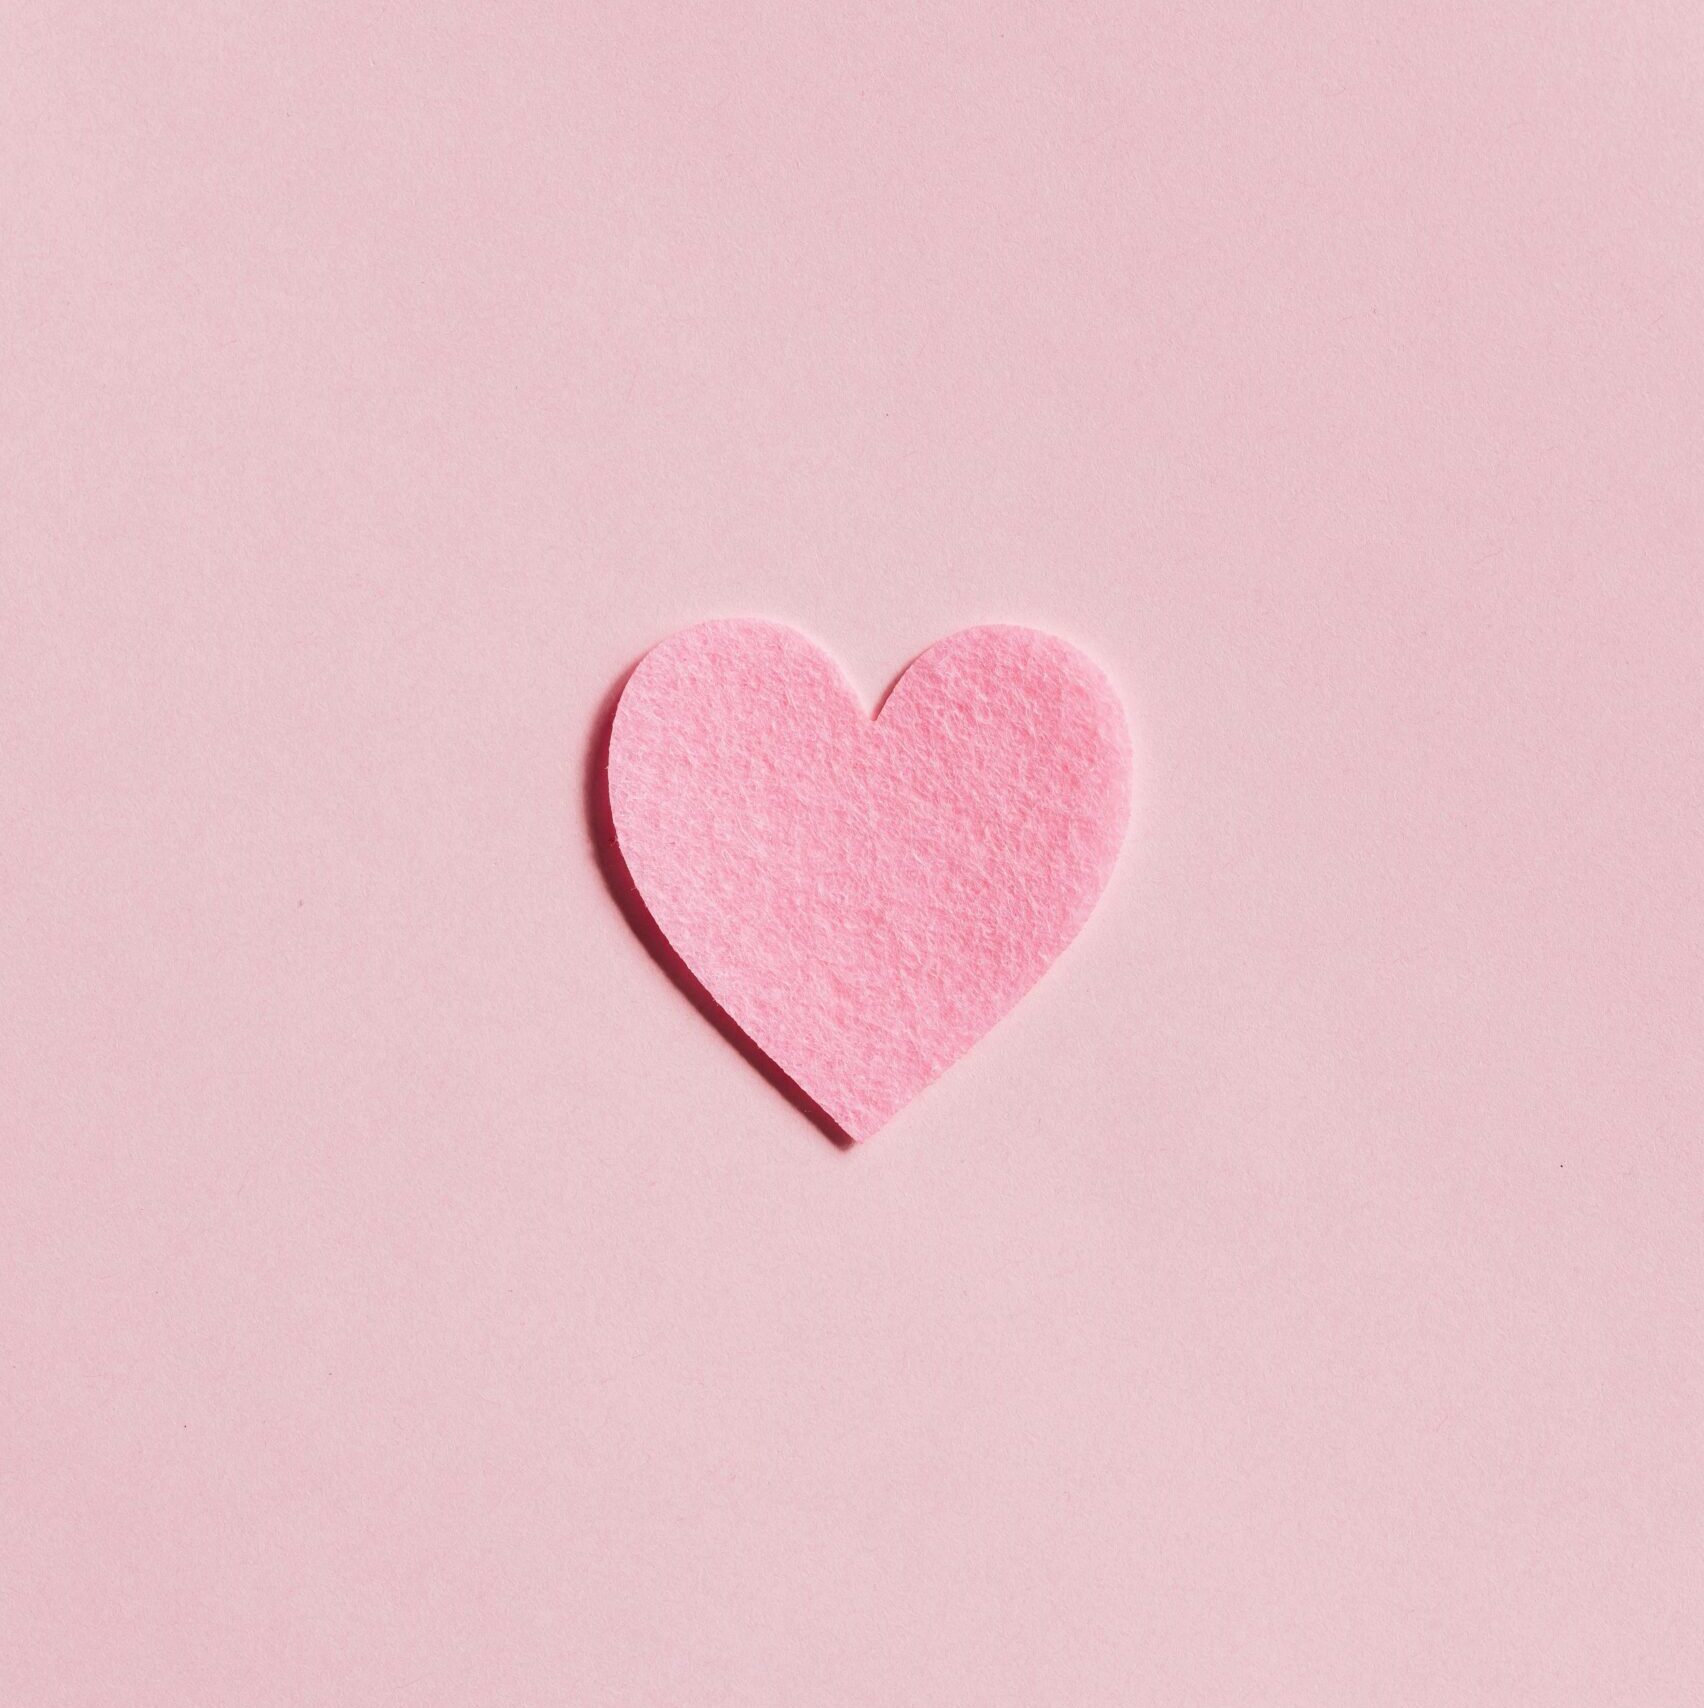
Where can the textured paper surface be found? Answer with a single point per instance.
(866, 897)
(407, 1300)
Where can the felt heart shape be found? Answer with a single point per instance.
(865, 897)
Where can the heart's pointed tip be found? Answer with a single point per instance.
(846, 1136)
(856, 1134)
(850, 1132)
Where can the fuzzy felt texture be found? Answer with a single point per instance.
(866, 897)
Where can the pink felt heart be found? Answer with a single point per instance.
(865, 897)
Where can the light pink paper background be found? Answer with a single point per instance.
(405, 1296)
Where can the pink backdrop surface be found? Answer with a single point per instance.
(406, 1296)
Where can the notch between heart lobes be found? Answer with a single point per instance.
(865, 897)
